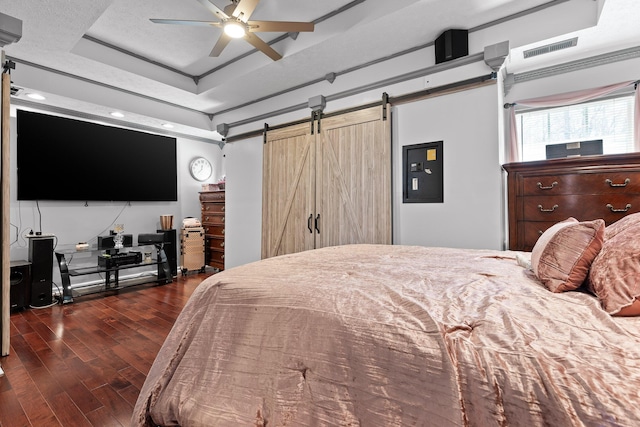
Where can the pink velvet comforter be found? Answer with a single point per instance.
(372, 335)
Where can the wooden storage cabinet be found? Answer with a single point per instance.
(543, 193)
(213, 221)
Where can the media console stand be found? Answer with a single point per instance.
(89, 264)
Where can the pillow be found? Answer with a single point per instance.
(563, 254)
(615, 273)
(620, 225)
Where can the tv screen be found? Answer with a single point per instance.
(65, 159)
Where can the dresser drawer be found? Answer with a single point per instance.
(215, 259)
(215, 243)
(532, 232)
(209, 207)
(582, 183)
(582, 207)
(212, 196)
(213, 219)
(213, 230)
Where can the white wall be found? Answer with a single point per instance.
(73, 222)
(243, 219)
(470, 217)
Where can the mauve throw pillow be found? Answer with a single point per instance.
(563, 254)
(615, 273)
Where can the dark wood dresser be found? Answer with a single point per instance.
(213, 215)
(542, 193)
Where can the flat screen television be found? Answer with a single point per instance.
(66, 159)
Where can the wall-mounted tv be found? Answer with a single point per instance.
(65, 159)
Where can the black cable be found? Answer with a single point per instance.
(39, 216)
(113, 222)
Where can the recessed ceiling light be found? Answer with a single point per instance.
(36, 96)
(167, 125)
(116, 114)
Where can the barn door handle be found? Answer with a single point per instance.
(624, 184)
(309, 223)
(318, 223)
(547, 210)
(612, 209)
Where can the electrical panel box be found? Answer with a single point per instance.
(422, 166)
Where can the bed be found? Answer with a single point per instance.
(381, 335)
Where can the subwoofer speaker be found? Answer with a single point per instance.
(451, 44)
(41, 258)
(20, 284)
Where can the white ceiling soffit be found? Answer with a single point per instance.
(106, 54)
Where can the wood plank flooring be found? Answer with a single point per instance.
(83, 364)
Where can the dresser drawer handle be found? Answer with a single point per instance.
(612, 209)
(611, 184)
(547, 210)
(553, 184)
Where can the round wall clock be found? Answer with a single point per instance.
(200, 169)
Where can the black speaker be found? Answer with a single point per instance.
(171, 249)
(20, 284)
(451, 44)
(41, 258)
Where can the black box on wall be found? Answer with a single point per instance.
(451, 44)
(423, 173)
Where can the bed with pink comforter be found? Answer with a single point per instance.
(375, 335)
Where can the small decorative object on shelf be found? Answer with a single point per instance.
(118, 238)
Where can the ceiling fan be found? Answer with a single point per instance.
(234, 20)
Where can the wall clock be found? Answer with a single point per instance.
(200, 169)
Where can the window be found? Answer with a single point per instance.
(608, 119)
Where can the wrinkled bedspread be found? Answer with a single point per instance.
(374, 335)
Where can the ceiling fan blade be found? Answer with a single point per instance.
(186, 22)
(244, 9)
(279, 26)
(259, 44)
(214, 9)
(222, 42)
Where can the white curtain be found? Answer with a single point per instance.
(569, 98)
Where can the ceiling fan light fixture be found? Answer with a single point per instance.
(234, 29)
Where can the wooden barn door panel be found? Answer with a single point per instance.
(353, 179)
(287, 196)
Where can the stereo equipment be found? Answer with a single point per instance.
(119, 259)
(20, 284)
(451, 44)
(574, 149)
(150, 239)
(41, 258)
(107, 242)
(171, 249)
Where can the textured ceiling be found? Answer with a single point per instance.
(113, 43)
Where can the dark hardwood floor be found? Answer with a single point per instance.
(83, 364)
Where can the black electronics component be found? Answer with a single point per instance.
(20, 284)
(574, 149)
(171, 249)
(71, 150)
(107, 242)
(451, 44)
(119, 259)
(41, 258)
(150, 238)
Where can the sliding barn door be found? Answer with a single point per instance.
(353, 179)
(288, 191)
(328, 186)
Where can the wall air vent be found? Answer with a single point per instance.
(540, 50)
